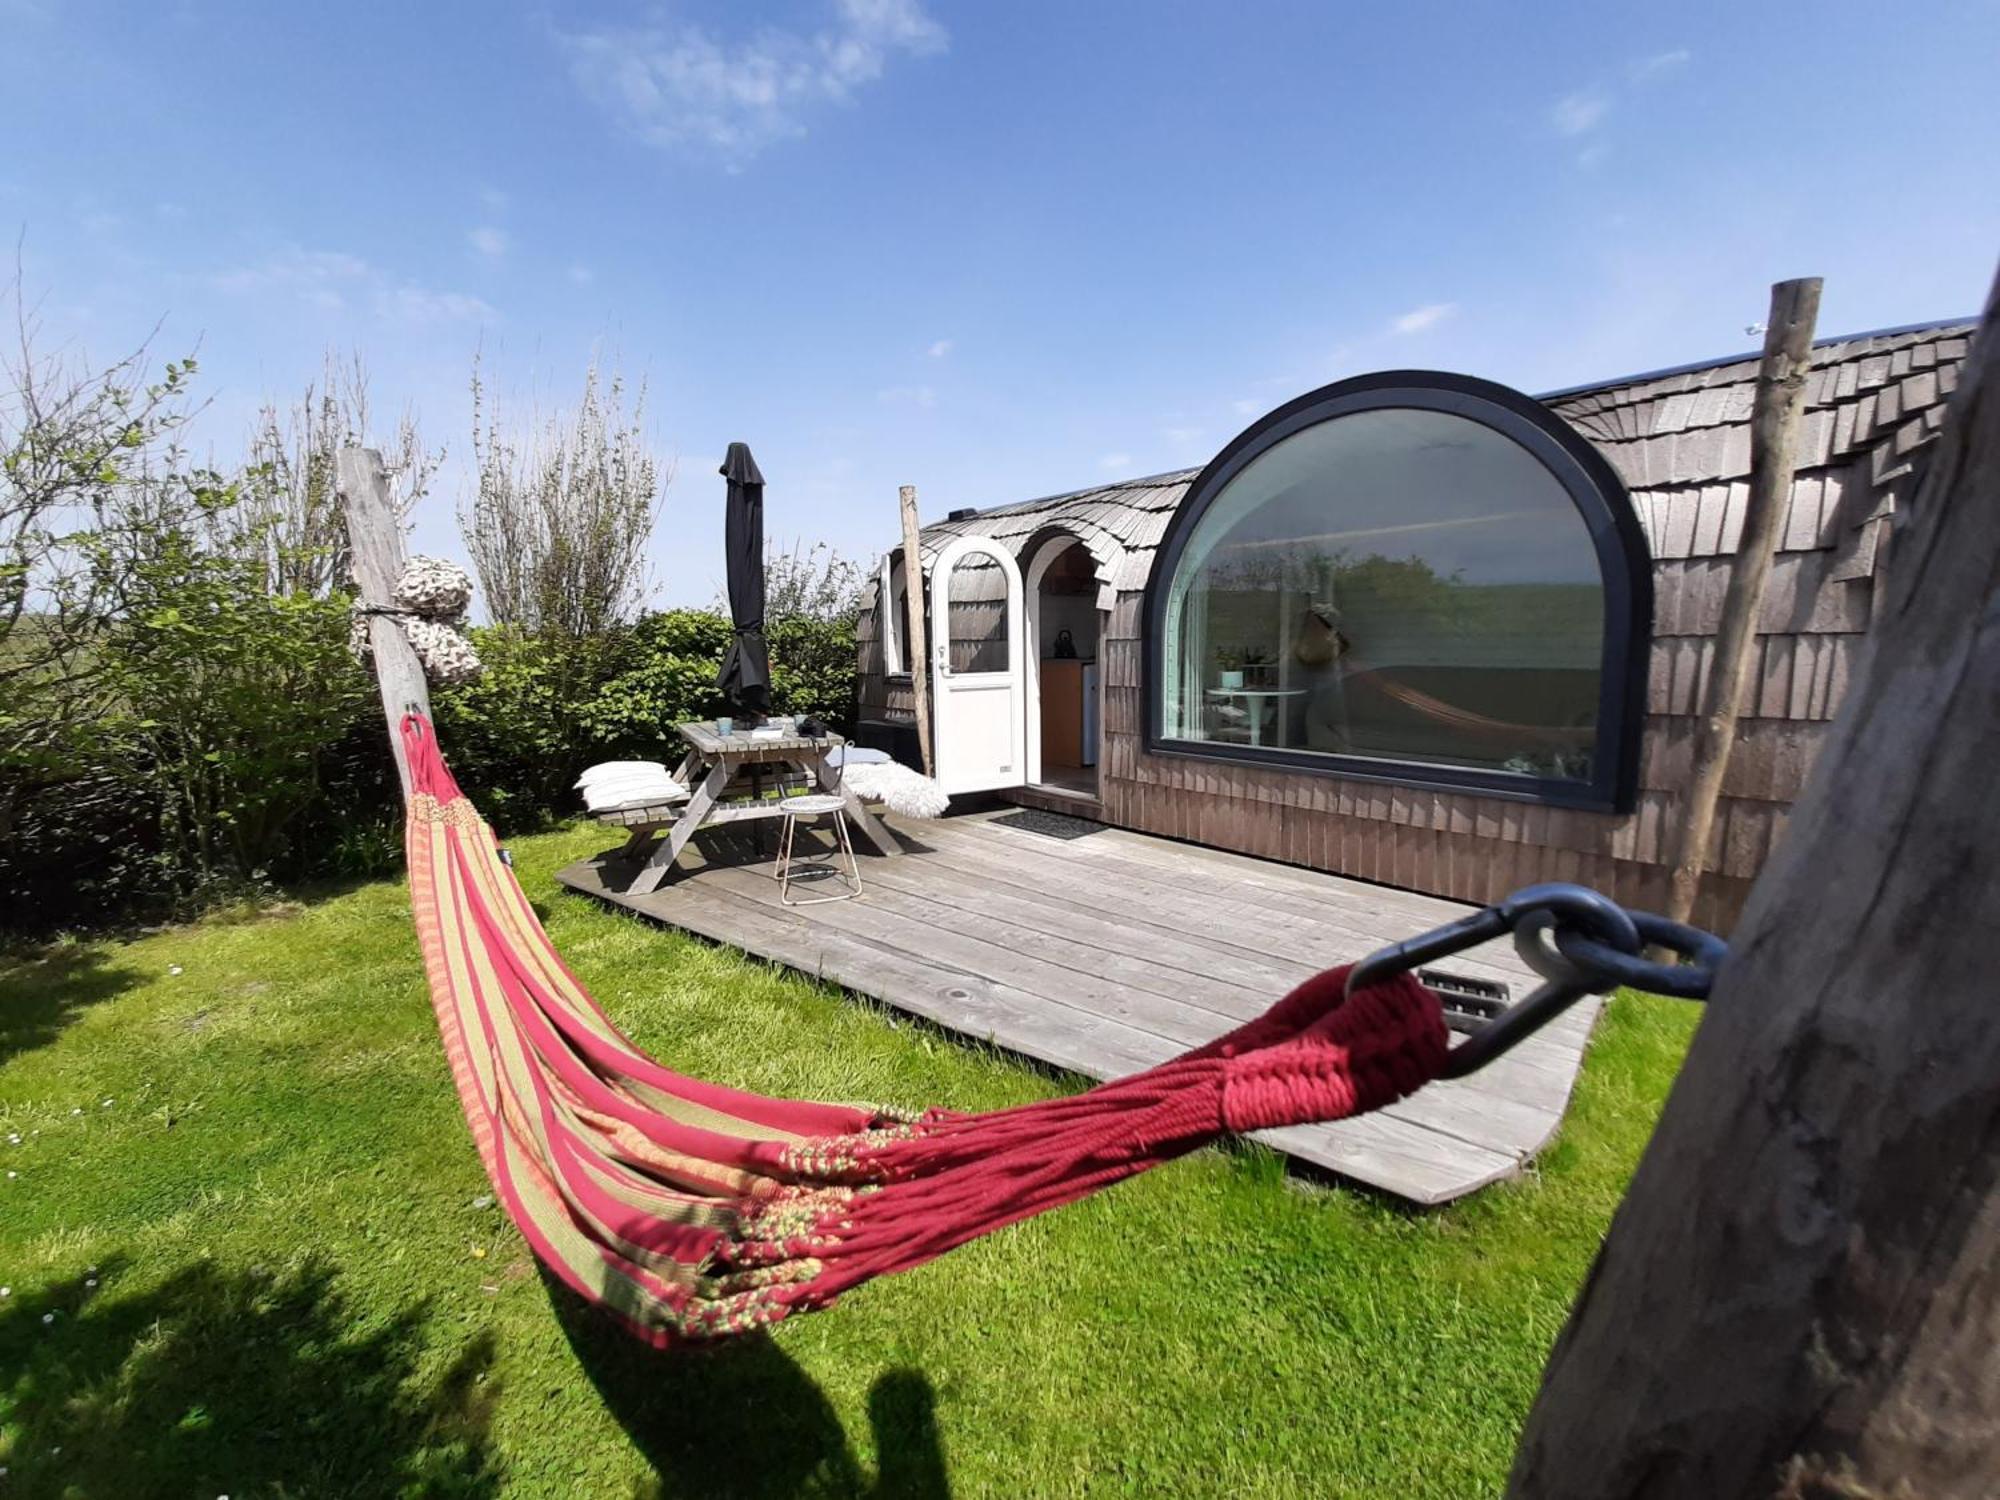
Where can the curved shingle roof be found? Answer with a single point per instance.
(1680, 439)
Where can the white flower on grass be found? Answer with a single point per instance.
(90, 1281)
(48, 1317)
(105, 1105)
(6, 1291)
(12, 1175)
(173, 968)
(13, 1137)
(78, 1110)
(90, 1270)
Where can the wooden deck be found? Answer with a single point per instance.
(1111, 952)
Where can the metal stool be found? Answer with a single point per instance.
(814, 867)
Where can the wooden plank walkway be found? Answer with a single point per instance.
(1111, 952)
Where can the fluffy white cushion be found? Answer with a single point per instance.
(896, 787)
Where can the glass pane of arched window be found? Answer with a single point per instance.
(978, 609)
(1396, 583)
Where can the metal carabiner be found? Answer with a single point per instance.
(1580, 941)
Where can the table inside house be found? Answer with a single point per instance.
(729, 776)
(1254, 702)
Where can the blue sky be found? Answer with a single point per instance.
(993, 250)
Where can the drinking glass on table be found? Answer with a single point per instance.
(725, 726)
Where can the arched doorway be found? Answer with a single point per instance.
(1064, 691)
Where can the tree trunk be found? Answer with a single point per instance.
(376, 534)
(1774, 439)
(1800, 1296)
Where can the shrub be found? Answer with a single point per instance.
(550, 705)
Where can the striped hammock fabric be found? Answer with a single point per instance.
(693, 1211)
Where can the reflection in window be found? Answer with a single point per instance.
(1399, 583)
(978, 622)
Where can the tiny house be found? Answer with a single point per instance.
(1422, 629)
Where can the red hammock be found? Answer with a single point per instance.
(692, 1210)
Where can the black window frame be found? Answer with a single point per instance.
(1624, 560)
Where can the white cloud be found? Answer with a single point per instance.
(581, 274)
(1591, 155)
(421, 305)
(333, 280)
(488, 241)
(675, 85)
(1660, 62)
(1417, 319)
(908, 395)
(1574, 114)
(941, 348)
(322, 278)
(1115, 463)
(1181, 437)
(1246, 407)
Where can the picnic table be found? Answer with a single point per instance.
(714, 765)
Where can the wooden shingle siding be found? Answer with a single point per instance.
(1681, 443)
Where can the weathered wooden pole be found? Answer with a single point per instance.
(1774, 432)
(376, 536)
(1800, 1296)
(916, 656)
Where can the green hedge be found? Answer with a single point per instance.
(546, 708)
(515, 739)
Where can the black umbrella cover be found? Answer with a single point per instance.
(745, 678)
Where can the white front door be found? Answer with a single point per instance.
(977, 652)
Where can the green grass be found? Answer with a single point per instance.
(246, 1127)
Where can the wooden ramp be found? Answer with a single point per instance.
(1110, 952)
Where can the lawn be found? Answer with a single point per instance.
(248, 1251)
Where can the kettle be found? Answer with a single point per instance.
(1065, 647)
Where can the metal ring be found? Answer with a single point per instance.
(1688, 981)
(1576, 906)
(1544, 959)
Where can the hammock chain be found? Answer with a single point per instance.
(1579, 941)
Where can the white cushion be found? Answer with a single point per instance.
(634, 789)
(605, 770)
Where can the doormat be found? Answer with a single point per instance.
(1050, 825)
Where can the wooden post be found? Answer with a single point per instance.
(376, 536)
(1774, 430)
(916, 655)
(1800, 1296)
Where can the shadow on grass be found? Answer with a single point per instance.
(743, 1420)
(217, 1383)
(42, 990)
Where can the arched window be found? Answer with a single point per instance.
(892, 591)
(1411, 577)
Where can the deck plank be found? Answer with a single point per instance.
(1007, 936)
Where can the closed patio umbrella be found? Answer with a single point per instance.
(745, 678)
